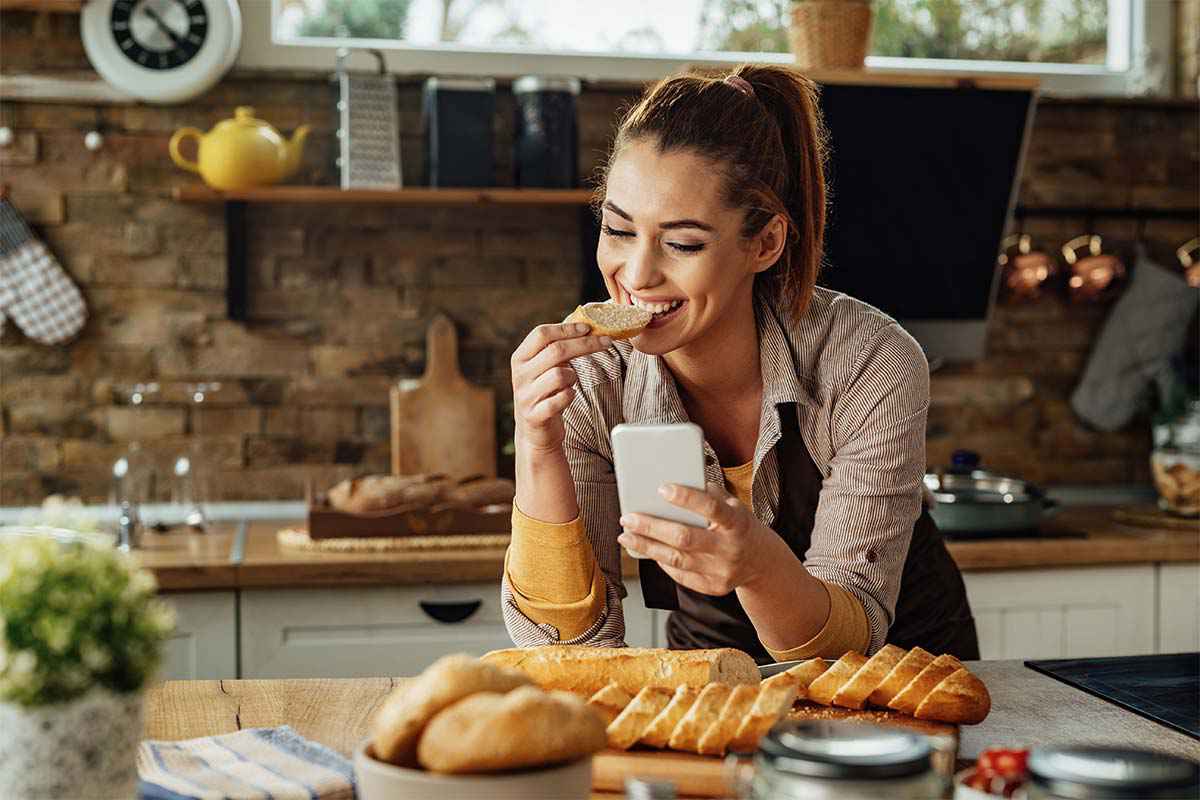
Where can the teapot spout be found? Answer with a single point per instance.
(294, 152)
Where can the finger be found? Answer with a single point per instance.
(551, 407)
(691, 580)
(675, 534)
(563, 350)
(549, 382)
(717, 512)
(653, 549)
(543, 335)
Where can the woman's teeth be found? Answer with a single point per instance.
(656, 308)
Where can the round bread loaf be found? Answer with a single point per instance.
(527, 727)
(397, 726)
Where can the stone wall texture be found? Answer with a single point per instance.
(340, 295)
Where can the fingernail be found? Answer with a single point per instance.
(624, 521)
(624, 539)
(606, 340)
(665, 490)
(582, 327)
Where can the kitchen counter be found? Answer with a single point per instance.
(249, 556)
(1028, 709)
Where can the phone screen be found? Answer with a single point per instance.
(647, 456)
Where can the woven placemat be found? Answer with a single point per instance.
(298, 539)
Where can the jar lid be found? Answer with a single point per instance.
(832, 749)
(1112, 773)
(436, 84)
(545, 83)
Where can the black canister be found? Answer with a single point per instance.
(457, 115)
(545, 136)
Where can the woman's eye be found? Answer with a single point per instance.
(687, 248)
(608, 231)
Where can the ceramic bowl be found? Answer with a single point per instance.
(381, 781)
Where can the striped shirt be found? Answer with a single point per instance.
(860, 388)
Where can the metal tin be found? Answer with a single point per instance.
(1105, 773)
(814, 760)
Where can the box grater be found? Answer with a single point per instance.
(368, 129)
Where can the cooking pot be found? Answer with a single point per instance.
(971, 500)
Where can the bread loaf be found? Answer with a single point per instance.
(527, 727)
(587, 670)
(382, 492)
(397, 726)
(612, 319)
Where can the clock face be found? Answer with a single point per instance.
(159, 34)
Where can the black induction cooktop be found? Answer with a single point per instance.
(1164, 688)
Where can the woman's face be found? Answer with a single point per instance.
(668, 243)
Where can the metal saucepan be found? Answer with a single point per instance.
(970, 500)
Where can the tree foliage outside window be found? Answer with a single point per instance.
(1052, 31)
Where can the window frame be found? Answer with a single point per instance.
(1142, 23)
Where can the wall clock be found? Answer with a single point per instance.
(162, 51)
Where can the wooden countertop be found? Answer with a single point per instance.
(1028, 709)
(229, 558)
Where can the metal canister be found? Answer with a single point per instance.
(1106, 773)
(822, 760)
(546, 137)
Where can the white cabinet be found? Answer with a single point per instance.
(1065, 613)
(203, 645)
(1178, 608)
(366, 631)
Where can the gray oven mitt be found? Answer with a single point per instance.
(1145, 328)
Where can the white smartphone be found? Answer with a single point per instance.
(647, 456)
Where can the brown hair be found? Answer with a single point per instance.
(770, 148)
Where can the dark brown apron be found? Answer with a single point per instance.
(932, 610)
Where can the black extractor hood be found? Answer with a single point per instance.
(923, 181)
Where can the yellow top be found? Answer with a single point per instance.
(555, 580)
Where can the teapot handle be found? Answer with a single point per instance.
(177, 139)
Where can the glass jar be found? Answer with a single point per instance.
(1106, 773)
(822, 760)
(1175, 461)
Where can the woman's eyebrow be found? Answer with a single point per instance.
(666, 226)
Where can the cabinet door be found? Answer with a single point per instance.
(204, 643)
(1064, 613)
(1178, 608)
(366, 631)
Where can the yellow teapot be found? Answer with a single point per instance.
(241, 152)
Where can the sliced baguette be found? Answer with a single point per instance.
(703, 713)
(658, 733)
(627, 728)
(611, 319)
(586, 670)
(737, 707)
(805, 673)
(775, 698)
(960, 698)
(909, 667)
(911, 696)
(825, 687)
(856, 690)
(609, 702)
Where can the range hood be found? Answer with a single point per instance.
(922, 183)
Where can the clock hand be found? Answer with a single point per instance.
(152, 14)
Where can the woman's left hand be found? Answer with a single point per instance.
(715, 560)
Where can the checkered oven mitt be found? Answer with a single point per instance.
(34, 289)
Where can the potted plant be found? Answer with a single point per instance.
(81, 632)
(830, 34)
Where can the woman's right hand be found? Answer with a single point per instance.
(544, 382)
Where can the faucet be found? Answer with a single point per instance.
(129, 528)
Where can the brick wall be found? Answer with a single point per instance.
(340, 295)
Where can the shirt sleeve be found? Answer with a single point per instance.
(531, 618)
(846, 629)
(872, 497)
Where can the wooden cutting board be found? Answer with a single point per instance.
(707, 776)
(441, 422)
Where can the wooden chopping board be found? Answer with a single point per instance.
(706, 776)
(441, 422)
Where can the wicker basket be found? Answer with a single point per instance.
(830, 33)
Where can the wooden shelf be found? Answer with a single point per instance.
(55, 6)
(422, 196)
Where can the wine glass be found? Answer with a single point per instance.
(133, 474)
(189, 489)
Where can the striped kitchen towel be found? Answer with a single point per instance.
(254, 764)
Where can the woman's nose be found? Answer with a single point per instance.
(640, 270)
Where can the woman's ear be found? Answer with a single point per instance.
(769, 243)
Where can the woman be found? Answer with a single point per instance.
(813, 406)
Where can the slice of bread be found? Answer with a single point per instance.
(611, 319)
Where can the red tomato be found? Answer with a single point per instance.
(1004, 762)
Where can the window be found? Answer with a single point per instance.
(1077, 46)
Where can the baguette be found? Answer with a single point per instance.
(737, 708)
(609, 702)
(854, 693)
(911, 696)
(703, 713)
(586, 670)
(658, 733)
(628, 726)
(612, 319)
(774, 700)
(826, 686)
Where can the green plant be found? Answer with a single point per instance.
(74, 616)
